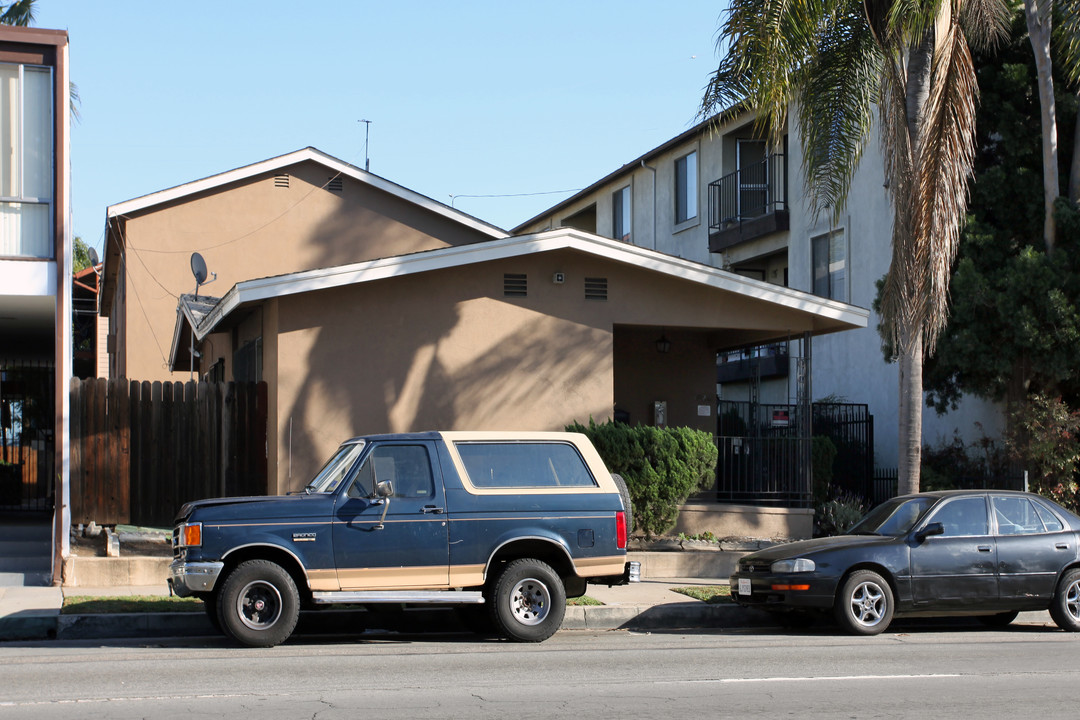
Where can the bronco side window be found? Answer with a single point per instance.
(407, 467)
(524, 465)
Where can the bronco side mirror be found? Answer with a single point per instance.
(934, 528)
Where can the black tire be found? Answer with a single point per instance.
(999, 620)
(528, 601)
(258, 604)
(624, 492)
(210, 605)
(864, 605)
(1065, 607)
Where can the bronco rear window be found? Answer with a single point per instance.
(524, 465)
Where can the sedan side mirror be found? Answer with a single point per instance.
(934, 528)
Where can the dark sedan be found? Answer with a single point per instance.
(965, 552)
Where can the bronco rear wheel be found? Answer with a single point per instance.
(528, 601)
(259, 604)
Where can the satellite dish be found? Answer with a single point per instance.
(92, 253)
(198, 269)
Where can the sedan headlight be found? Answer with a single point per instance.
(795, 565)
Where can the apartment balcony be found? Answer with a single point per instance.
(748, 203)
(764, 361)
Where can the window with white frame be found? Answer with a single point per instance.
(829, 259)
(620, 214)
(686, 188)
(26, 160)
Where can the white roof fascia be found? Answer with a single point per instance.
(550, 240)
(307, 154)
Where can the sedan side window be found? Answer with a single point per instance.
(963, 516)
(1016, 516)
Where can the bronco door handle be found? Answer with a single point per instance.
(432, 509)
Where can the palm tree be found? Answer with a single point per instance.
(838, 59)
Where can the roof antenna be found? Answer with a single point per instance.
(367, 129)
(198, 269)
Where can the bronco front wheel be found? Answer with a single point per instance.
(259, 604)
(529, 601)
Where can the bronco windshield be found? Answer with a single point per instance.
(336, 468)
(894, 517)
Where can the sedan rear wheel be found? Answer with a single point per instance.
(1065, 608)
(864, 605)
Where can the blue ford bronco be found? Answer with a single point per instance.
(504, 526)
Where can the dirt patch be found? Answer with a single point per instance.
(95, 547)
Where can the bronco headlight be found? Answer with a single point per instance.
(796, 565)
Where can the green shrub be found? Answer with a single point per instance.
(661, 466)
(836, 515)
(1044, 434)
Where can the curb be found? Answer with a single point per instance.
(195, 624)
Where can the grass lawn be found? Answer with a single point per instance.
(90, 605)
(707, 593)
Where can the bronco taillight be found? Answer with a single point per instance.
(620, 529)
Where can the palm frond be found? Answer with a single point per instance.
(1066, 35)
(985, 22)
(836, 106)
(19, 13)
(768, 45)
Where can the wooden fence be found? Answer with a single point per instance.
(139, 450)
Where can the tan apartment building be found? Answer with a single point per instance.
(368, 308)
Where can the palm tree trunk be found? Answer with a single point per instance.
(1074, 171)
(1039, 26)
(910, 421)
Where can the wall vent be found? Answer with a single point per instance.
(595, 288)
(334, 184)
(515, 285)
(282, 180)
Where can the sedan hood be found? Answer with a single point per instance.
(803, 548)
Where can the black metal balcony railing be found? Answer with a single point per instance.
(748, 203)
(764, 361)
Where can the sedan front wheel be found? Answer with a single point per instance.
(864, 605)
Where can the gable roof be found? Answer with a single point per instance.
(115, 214)
(831, 314)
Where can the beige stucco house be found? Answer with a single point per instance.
(369, 308)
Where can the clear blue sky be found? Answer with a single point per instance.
(465, 98)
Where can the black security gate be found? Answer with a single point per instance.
(27, 435)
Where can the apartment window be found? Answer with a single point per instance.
(686, 188)
(26, 160)
(829, 258)
(620, 214)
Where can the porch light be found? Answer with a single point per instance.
(663, 345)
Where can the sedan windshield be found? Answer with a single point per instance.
(895, 517)
(335, 469)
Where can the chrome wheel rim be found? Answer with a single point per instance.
(530, 601)
(259, 605)
(868, 604)
(1072, 600)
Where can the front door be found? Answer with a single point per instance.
(399, 541)
(957, 568)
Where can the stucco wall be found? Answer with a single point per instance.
(256, 229)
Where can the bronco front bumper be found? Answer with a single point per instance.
(188, 578)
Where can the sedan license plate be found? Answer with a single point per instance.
(744, 586)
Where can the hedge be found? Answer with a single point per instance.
(662, 467)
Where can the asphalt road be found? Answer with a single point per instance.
(1022, 672)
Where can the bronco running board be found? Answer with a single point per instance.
(430, 597)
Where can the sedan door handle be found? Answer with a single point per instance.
(1062, 546)
(984, 548)
(432, 510)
